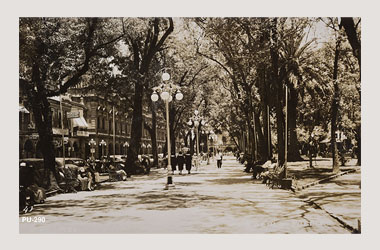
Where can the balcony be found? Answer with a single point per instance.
(59, 131)
(81, 133)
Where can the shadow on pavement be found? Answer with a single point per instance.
(160, 201)
(311, 173)
(229, 181)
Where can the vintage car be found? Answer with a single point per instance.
(34, 172)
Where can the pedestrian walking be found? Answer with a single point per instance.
(188, 161)
(173, 159)
(219, 158)
(180, 161)
(165, 161)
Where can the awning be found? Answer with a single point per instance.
(80, 122)
(22, 109)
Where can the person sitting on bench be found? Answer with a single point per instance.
(259, 169)
(273, 171)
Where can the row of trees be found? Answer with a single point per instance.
(260, 56)
(233, 69)
(119, 57)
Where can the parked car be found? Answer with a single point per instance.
(118, 158)
(149, 158)
(35, 173)
(116, 173)
(77, 161)
(68, 162)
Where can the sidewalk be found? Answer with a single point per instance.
(338, 194)
(340, 198)
(304, 177)
(208, 201)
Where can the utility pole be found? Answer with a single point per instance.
(286, 129)
(269, 141)
(62, 130)
(114, 134)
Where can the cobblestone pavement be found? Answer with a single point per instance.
(210, 200)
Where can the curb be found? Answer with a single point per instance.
(51, 193)
(294, 189)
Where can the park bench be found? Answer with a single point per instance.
(277, 178)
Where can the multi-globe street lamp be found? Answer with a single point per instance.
(92, 145)
(195, 121)
(213, 137)
(166, 90)
(125, 145)
(143, 146)
(102, 144)
(208, 134)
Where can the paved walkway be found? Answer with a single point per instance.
(340, 197)
(211, 200)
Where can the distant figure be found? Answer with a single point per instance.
(188, 161)
(165, 161)
(85, 179)
(173, 163)
(180, 161)
(71, 179)
(145, 165)
(260, 167)
(219, 158)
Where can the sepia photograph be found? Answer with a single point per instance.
(189, 125)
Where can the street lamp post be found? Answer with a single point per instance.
(125, 145)
(103, 144)
(196, 120)
(92, 145)
(213, 137)
(208, 133)
(165, 91)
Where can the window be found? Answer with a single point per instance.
(98, 123)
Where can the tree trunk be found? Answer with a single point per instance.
(293, 153)
(352, 35)
(353, 38)
(42, 116)
(335, 108)
(310, 156)
(279, 94)
(262, 150)
(136, 129)
(43, 119)
(280, 125)
(267, 154)
(153, 135)
(358, 139)
(266, 116)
